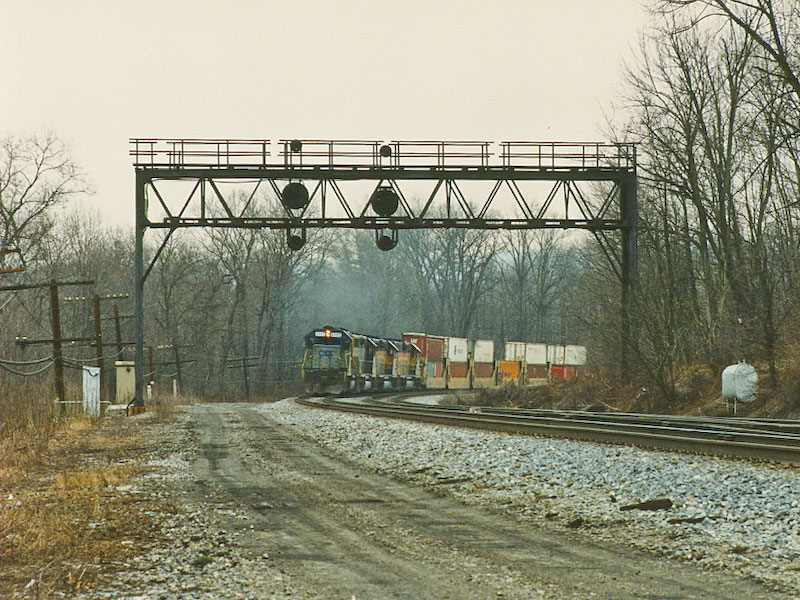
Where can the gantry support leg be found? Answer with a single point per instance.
(629, 210)
(141, 225)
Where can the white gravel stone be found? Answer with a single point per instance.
(751, 513)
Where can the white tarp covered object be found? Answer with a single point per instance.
(740, 382)
(91, 391)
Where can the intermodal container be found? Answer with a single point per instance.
(555, 354)
(435, 348)
(509, 369)
(574, 356)
(536, 354)
(514, 351)
(483, 351)
(458, 370)
(435, 369)
(457, 349)
(483, 370)
(537, 371)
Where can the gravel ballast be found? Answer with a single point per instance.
(724, 513)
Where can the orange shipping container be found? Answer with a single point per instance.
(509, 369)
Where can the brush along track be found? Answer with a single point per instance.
(762, 439)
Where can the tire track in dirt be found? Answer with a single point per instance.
(342, 532)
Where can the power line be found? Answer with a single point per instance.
(36, 361)
(28, 374)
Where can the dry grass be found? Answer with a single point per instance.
(27, 426)
(697, 391)
(64, 520)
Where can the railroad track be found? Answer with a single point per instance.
(762, 439)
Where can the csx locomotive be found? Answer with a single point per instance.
(338, 359)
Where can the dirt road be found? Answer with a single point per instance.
(335, 531)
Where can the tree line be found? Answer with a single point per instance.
(712, 99)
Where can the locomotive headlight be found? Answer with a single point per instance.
(327, 333)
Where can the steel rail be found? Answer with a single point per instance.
(763, 445)
(646, 424)
(729, 424)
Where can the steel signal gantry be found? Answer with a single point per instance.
(307, 177)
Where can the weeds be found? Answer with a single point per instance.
(65, 514)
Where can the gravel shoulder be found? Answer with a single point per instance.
(279, 501)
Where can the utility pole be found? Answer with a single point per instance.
(58, 359)
(245, 366)
(98, 334)
(13, 269)
(118, 331)
(55, 321)
(177, 361)
(152, 368)
(178, 374)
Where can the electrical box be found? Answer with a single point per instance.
(126, 381)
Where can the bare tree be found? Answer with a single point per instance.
(533, 274)
(37, 174)
(772, 24)
(454, 269)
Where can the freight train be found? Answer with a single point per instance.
(336, 360)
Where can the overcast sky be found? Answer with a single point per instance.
(98, 73)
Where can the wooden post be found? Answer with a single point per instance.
(152, 368)
(118, 331)
(98, 336)
(246, 379)
(179, 375)
(58, 359)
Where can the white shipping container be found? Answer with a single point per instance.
(457, 349)
(483, 351)
(575, 355)
(555, 354)
(536, 354)
(514, 351)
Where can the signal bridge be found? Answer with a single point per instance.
(386, 186)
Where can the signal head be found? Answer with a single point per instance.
(295, 196)
(384, 201)
(385, 242)
(295, 242)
